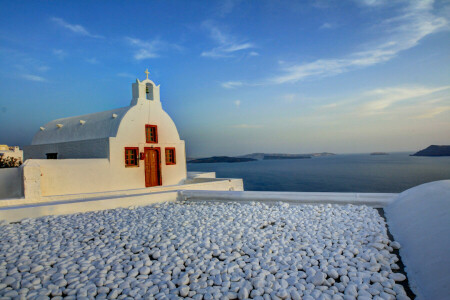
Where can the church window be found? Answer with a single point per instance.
(151, 133)
(131, 156)
(170, 156)
(52, 155)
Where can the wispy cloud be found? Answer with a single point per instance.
(414, 23)
(383, 99)
(149, 49)
(413, 101)
(18, 64)
(75, 28)
(231, 84)
(92, 60)
(370, 2)
(237, 103)
(33, 77)
(227, 44)
(59, 53)
(330, 105)
(246, 126)
(431, 113)
(227, 6)
(327, 25)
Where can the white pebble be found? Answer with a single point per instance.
(397, 276)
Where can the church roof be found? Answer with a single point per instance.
(86, 127)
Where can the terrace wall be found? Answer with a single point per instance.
(11, 183)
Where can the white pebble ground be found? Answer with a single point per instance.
(202, 251)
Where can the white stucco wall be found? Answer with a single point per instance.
(96, 148)
(419, 219)
(14, 214)
(131, 133)
(106, 135)
(73, 176)
(76, 176)
(11, 183)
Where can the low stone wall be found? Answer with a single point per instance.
(213, 184)
(17, 213)
(11, 183)
(19, 208)
(74, 176)
(376, 200)
(194, 175)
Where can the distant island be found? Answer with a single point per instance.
(217, 159)
(269, 156)
(379, 153)
(256, 156)
(434, 150)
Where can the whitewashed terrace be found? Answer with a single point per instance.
(203, 251)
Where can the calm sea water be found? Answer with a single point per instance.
(391, 173)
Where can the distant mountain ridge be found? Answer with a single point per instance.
(256, 156)
(216, 159)
(267, 156)
(434, 150)
(379, 153)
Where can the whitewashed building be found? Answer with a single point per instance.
(11, 152)
(130, 147)
(125, 153)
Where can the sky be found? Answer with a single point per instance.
(236, 76)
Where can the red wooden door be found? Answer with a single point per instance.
(152, 165)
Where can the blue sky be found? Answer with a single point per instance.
(236, 76)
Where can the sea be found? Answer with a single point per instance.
(392, 173)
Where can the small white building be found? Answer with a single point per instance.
(130, 147)
(13, 152)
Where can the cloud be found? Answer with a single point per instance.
(42, 68)
(227, 6)
(92, 61)
(237, 103)
(253, 53)
(387, 97)
(33, 78)
(327, 26)
(290, 97)
(78, 29)
(397, 102)
(59, 53)
(400, 33)
(330, 105)
(227, 44)
(370, 2)
(246, 126)
(18, 64)
(149, 49)
(231, 84)
(433, 112)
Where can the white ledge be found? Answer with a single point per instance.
(377, 200)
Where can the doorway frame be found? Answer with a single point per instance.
(158, 150)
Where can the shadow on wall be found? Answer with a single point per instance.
(11, 184)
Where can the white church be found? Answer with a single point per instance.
(139, 141)
(133, 149)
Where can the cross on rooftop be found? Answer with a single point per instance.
(147, 72)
